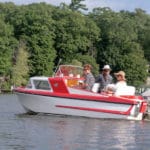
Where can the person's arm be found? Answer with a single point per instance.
(91, 82)
(98, 79)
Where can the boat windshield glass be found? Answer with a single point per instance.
(69, 70)
(41, 84)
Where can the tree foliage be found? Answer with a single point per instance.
(76, 5)
(7, 45)
(87, 59)
(20, 69)
(35, 24)
(121, 39)
(74, 34)
(119, 43)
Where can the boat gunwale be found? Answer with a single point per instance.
(99, 98)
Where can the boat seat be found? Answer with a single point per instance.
(126, 90)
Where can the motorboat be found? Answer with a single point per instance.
(61, 94)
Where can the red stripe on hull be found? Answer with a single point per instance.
(97, 110)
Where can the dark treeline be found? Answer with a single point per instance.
(34, 37)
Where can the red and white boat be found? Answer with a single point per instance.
(60, 95)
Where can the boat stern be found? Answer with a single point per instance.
(138, 111)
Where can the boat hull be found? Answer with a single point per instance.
(77, 107)
(62, 94)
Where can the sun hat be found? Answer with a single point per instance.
(121, 73)
(106, 67)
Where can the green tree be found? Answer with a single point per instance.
(20, 71)
(143, 25)
(119, 40)
(75, 34)
(76, 62)
(7, 46)
(86, 59)
(135, 67)
(35, 24)
(76, 5)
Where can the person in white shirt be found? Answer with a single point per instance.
(121, 82)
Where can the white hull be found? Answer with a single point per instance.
(75, 107)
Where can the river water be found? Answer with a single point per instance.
(19, 131)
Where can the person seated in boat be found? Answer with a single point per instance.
(89, 79)
(121, 82)
(104, 78)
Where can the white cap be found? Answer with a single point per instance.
(106, 67)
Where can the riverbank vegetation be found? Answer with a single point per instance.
(34, 37)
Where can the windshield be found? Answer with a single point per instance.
(69, 70)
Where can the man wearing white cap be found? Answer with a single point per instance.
(104, 78)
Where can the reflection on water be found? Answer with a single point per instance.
(19, 131)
